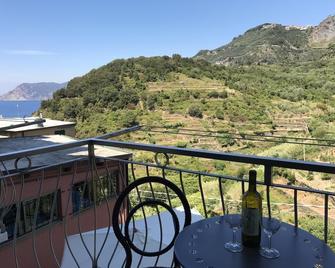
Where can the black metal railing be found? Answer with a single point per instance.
(71, 201)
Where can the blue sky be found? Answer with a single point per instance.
(44, 40)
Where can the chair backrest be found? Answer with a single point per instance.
(121, 229)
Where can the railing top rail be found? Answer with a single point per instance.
(233, 157)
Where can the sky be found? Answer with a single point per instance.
(57, 40)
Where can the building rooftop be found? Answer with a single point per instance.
(9, 145)
(5, 122)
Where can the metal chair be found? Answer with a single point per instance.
(122, 234)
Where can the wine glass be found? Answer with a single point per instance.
(271, 225)
(234, 219)
(318, 255)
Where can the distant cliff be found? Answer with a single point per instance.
(33, 91)
(272, 43)
(324, 34)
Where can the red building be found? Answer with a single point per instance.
(55, 199)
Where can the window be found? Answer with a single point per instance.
(8, 215)
(43, 212)
(60, 132)
(26, 218)
(83, 195)
(107, 186)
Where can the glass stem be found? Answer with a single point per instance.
(269, 237)
(234, 235)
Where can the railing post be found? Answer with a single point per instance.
(95, 264)
(92, 163)
(268, 175)
(325, 231)
(91, 157)
(296, 218)
(268, 183)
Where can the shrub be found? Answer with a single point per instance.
(219, 165)
(213, 94)
(195, 111)
(310, 176)
(242, 171)
(223, 95)
(128, 119)
(290, 176)
(326, 177)
(181, 144)
(226, 140)
(195, 94)
(151, 101)
(219, 113)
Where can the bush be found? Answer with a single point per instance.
(213, 94)
(195, 111)
(310, 176)
(226, 140)
(151, 102)
(181, 144)
(223, 95)
(219, 165)
(290, 176)
(195, 94)
(326, 177)
(128, 119)
(219, 113)
(242, 171)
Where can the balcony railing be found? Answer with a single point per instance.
(51, 210)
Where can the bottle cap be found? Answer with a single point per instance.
(252, 175)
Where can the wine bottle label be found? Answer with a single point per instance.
(251, 221)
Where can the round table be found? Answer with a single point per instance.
(201, 244)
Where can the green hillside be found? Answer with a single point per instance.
(131, 91)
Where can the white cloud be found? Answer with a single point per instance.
(28, 52)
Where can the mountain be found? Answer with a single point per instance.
(271, 43)
(33, 91)
(323, 34)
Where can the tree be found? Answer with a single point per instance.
(151, 102)
(128, 118)
(72, 109)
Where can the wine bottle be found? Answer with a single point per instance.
(251, 214)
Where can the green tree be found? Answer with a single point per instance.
(128, 118)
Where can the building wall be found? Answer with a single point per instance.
(47, 243)
(69, 131)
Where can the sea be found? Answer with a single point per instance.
(18, 108)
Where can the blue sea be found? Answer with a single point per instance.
(18, 108)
